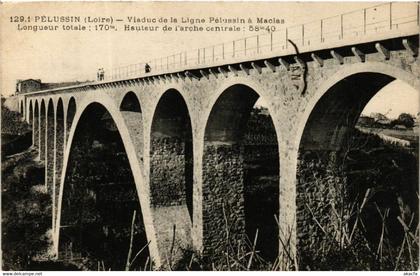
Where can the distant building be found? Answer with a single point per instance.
(417, 120)
(384, 122)
(378, 116)
(401, 127)
(29, 85)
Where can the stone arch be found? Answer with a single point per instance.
(135, 165)
(171, 169)
(226, 185)
(130, 102)
(42, 130)
(368, 67)
(31, 113)
(326, 127)
(35, 126)
(132, 113)
(59, 150)
(49, 147)
(70, 112)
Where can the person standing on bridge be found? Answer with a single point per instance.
(102, 74)
(147, 68)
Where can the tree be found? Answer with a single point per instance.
(406, 120)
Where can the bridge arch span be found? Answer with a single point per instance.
(21, 108)
(70, 108)
(35, 125)
(108, 104)
(171, 170)
(31, 113)
(393, 72)
(327, 124)
(49, 145)
(230, 187)
(130, 102)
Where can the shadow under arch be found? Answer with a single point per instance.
(99, 195)
(70, 113)
(240, 174)
(327, 143)
(49, 147)
(130, 102)
(42, 128)
(31, 114)
(59, 154)
(35, 126)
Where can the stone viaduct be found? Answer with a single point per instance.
(180, 124)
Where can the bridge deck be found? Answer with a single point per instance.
(376, 23)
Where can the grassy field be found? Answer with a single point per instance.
(411, 135)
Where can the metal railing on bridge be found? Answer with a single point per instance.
(377, 22)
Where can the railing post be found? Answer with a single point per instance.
(271, 41)
(245, 46)
(198, 55)
(418, 13)
(213, 53)
(321, 29)
(341, 24)
(286, 37)
(204, 55)
(258, 44)
(233, 51)
(223, 51)
(364, 21)
(390, 15)
(303, 34)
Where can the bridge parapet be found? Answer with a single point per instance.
(377, 23)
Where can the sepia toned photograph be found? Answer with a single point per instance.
(209, 136)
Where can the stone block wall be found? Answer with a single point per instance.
(35, 129)
(223, 195)
(50, 152)
(168, 176)
(42, 134)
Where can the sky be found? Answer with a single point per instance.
(73, 55)
(394, 99)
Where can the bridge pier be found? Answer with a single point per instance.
(223, 194)
(35, 126)
(59, 150)
(287, 205)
